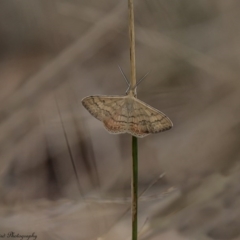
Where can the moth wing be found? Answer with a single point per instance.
(101, 107)
(145, 119)
(111, 110)
(117, 122)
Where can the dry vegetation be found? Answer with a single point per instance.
(54, 53)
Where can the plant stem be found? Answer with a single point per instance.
(134, 188)
(132, 43)
(134, 139)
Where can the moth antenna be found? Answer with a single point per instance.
(139, 81)
(124, 76)
(128, 89)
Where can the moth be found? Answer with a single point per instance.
(127, 114)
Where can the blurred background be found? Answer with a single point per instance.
(54, 53)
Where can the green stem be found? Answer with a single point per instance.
(134, 188)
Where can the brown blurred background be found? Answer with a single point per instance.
(54, 53)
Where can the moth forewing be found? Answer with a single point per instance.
(157, 119)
